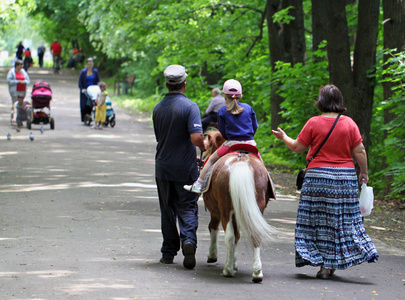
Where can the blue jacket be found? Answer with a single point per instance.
(82, 78)
(240, 127)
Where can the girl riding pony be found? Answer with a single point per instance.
(237, 123)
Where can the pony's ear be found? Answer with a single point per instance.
(219, 140)
(209, 137)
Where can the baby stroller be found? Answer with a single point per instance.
(41, 96)
(91, 93)
(110, 115)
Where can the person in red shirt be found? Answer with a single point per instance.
(18, 80)
(27, 59)
(56, 50)
(329, 231)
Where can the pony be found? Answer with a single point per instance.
(238, 192)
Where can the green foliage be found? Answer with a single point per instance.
(207, 37)
(299, 86)
(136, 104)
(394, 144)
(60, 20)
(283, 16)
(9, 10)
(16, 31)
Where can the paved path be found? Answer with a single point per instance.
(79, 219)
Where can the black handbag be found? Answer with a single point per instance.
(300, 178)
(301, 173)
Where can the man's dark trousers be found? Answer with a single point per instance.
(177, 203)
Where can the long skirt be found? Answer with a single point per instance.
(329, 231)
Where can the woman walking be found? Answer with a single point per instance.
(329, 232)
(88, 76)
(17, 79)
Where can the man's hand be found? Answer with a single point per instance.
(198, 140)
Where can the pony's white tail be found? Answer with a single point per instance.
(247, 213)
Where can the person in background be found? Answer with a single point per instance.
(17, 79)
(88, 76)
(80, 56)
(329, 231)
(23, 111)
(20, 51)
(41, 52)
(56, 50)
(27, 59)
(211, 113)
(178, 130)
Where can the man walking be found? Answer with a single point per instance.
(178, 130)
(56, 49)
(41, 52)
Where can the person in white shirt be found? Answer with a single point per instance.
(211, 113)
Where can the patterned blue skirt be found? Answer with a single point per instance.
(329, 231)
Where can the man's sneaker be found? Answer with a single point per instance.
(189, 255)
(195, 188)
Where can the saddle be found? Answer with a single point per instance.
(244, 148)
(241, 148)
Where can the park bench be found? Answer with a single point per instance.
(124, 86)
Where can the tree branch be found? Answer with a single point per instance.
(260, 36)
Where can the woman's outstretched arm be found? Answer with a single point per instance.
(293, 145)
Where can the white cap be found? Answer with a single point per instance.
(232, 87)
(175, 74)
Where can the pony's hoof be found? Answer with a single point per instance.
(257, 276)
(257, 279)
(211, 260)
(227, 273)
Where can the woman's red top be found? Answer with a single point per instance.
(337, 150)
(20, 87)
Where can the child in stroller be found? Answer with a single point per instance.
(110, 115)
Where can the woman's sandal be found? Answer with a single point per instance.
(321, 275)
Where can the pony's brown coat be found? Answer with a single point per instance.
(217, 199)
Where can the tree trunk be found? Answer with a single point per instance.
(356, 85)
(277, 53)
(318, 23)
(364, 66)
(286, 43)
(338, 49)
(394, 38)
(298, 48)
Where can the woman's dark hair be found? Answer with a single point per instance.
(175, 87)
(18, 62)
(330, 99)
